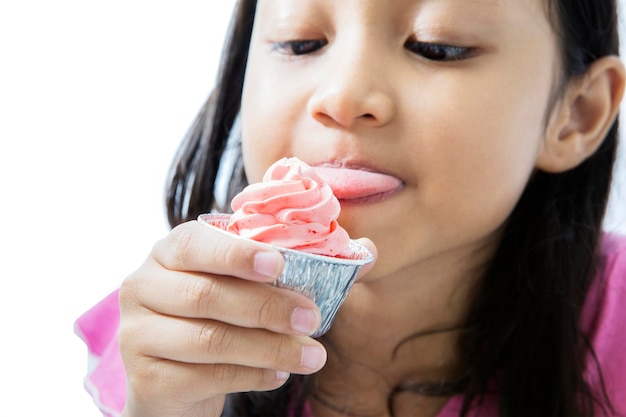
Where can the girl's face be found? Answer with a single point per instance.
(450, 97)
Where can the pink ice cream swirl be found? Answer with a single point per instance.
(292, 208)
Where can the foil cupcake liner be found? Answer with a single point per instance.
(324, 279)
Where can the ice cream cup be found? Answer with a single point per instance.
(324, 279)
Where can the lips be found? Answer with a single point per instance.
(357, 184)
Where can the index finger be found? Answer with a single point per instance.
(195, 247)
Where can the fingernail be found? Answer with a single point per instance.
(266, 263)
(282, 376)
(312, 358)
(303, 321)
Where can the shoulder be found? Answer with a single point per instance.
(608, 290)
(605, 305)
(106, 379)
(99, 324)
(609, 283)
(603, 320)
(613, 247)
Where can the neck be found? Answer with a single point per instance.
(400, 332)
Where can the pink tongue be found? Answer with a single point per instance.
(348, 184)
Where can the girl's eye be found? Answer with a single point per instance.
(438, 52)
(300, 47)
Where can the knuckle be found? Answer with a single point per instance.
(270, 311)
(281, 353)
(234, 378)
(125, 337)
(229, 253)
(129, 329)
(149, 371)
(215, 339)
(176, 249)
(235, 255)
(133, 337)
(227, 375)
(183, 242)
(145, 381)
(202, 294)
(129, 289)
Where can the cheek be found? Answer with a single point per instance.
(473, 162)
(262, 141)
(252, 138)
(272, 112)
(252, 163)
(486, 163)
(493, 136)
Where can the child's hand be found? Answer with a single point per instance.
(198, 321)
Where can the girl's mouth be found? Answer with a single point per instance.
(357, 186)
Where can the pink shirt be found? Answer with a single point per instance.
(604, 318)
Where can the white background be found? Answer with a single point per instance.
(94, 99)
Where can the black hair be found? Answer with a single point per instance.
(191, 179)
(523, 331)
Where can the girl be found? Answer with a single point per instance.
(494, 290)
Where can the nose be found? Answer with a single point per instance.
(354, 90)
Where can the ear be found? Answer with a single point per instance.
(583, 116)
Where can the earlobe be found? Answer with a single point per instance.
(583, 116)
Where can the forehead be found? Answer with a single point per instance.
(504, 12)
(495, 6)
